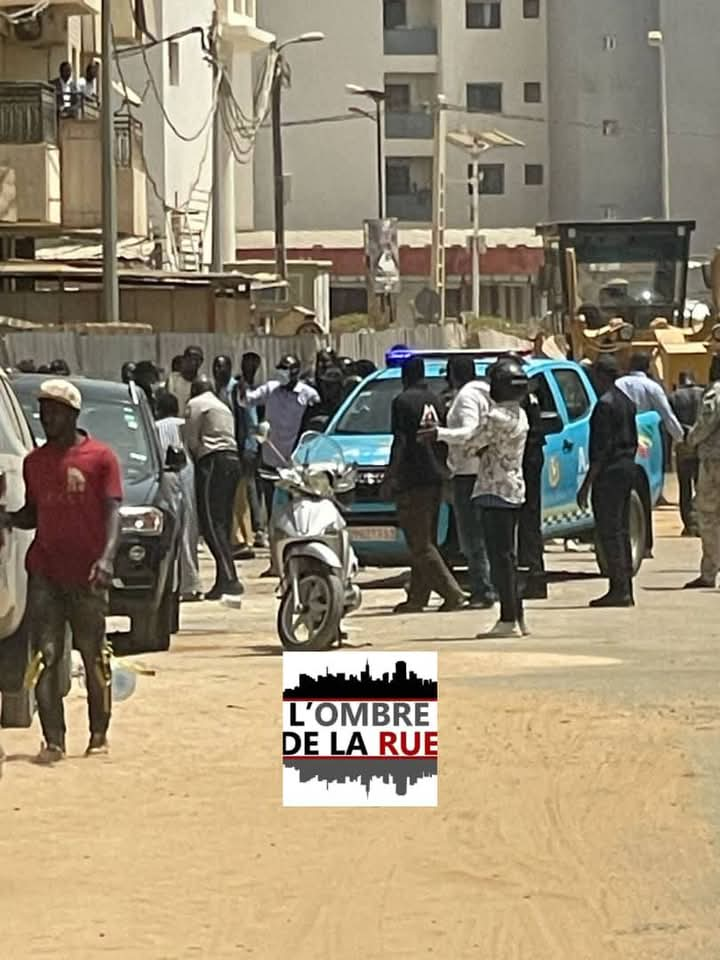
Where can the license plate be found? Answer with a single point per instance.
(372, 533)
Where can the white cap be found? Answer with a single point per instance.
(61, 391)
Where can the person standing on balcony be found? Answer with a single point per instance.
(88, 84)
(65, 91)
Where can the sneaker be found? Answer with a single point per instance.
(261, 541)
(481, 603)
(699, 584)
(611, 599)
(243, 552)
(502, 629)
(457, 603)
(524, 628)
(407, 607)
(191, 597)
(49, 753)
(98, 746)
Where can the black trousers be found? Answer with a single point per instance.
(417, 513)
(50, 607)
(530, 539)
(611, 507)
(687, 474)
(501, 525)
(217, 476)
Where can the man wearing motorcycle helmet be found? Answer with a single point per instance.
(500, 486)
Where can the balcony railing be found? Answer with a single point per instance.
(413, 207)
(410, 40)
(128, 142)
(28, 113)
(411, 125)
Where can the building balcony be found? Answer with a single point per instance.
(238, 25)
(56, 161)
(410, 125)
(67, 8)
(410, 41)
(411, 207)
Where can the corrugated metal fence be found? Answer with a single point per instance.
(102, 356)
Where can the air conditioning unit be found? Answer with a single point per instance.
(47, 29)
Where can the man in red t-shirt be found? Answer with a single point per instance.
(73, 489)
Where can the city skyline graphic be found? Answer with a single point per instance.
(400, 685)
(403, 773)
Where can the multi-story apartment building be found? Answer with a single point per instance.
(50, 157)
(177, 116)
(575, 80)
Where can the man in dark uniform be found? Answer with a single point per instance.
(414, 479)
(530, 541)
(685, 401)
(613, 445)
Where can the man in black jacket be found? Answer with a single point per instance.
(415, 478)
(613, 446)
(685, 401)
(531, 562)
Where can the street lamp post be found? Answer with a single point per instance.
(656, 39)
(476, 144)
(378, 98)
(279, 74)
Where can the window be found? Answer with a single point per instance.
(534, 174)
(573, 393)
(397, 97)
(541, 388)
(492, 178)
(531, 9)
(533, 92)
(174, 63)
(398, 178)
(394, 14)
(610, 128)
(609, 41)
(484, 97)
(482, 14)
(610, 212)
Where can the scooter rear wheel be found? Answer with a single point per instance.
(317, 626)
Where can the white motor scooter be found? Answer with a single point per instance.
(312, 546)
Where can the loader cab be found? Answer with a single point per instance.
(616, 277)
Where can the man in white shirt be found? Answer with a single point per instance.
(468, 410)
(65, 90)
(646, 394)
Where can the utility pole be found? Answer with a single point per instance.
(438, 212)
(379, 104)
(279, 177)
(223, 167)
(111, 292)
(656, 39)
(476, 231)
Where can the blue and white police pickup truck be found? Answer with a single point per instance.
(362, 428)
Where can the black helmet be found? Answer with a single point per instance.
(508, 380)
(288, 362)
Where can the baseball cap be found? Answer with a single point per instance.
(61, 391)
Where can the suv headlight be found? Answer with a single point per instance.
(148, 520)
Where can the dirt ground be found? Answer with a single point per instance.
(577, 817)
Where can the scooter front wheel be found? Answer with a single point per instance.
(317, 625)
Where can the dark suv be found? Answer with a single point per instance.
(146, 580)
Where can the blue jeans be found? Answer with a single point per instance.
(471, 534)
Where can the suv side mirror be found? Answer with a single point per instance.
(552, 422)
(175, 459)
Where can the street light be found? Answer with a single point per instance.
(476, 144)
(378, 98)
(277, 82)
(657, 40)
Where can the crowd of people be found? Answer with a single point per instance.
(482, 439)
(227, 487)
